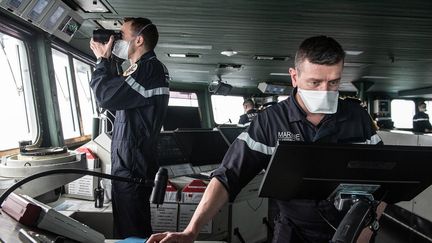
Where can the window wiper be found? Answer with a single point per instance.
(18, 87)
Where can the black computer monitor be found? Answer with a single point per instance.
(314, 171)
(231, 133)
(202, 146)
(168, 150)
(182, 117)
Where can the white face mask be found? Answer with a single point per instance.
(121, 49)
(324, 102)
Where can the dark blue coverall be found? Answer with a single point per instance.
(421, 122)
(298, 220)
(140, 101)
(248, 117)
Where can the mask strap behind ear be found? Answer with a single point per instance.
(143, 28)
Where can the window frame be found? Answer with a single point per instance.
(75, 54)
(25, 35)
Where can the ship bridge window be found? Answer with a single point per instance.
(183, 99)
(19, 121)
(429, 108)
(183, 111)
(227, 109)
(74, 95)
(402, 112)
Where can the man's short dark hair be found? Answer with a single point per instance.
(249, 101)
(421, 103)
(321, 50)
(150, 33)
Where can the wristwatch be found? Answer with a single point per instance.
(375, 226)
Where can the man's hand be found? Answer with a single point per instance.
(215, 196)
(102, 50)
(172, 237)
(365, 236)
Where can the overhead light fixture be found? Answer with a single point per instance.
(353, 64)
(271, 58)
(375, 77)
(184, 55)
(280, 74)
(229, 53)
(185, 46)
(353, 53)
(229, 65)
(191, 71)
(92, 6)
(176, 55)
(278, 89)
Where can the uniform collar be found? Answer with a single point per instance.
(147, 56)
(296, 113)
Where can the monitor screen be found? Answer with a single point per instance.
(15, 3)
(54, 18)
(69, 26)
(222, 89)
(182, 117)
(202, 147)
(315, 171)
(37, 10)
(168, 150)
(231, 133)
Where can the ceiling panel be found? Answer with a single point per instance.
(394, 36)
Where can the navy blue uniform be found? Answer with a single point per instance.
(421, 122)
(245, 119)
(140, 99)
(297, 220)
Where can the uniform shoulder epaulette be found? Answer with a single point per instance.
(352, 99)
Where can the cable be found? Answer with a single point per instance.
(325, 219)
(106, 118)
(239, 236)
(112, 114)
(148, 183)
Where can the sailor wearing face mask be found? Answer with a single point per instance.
(313, 113)
(421, 119)
(140, 98)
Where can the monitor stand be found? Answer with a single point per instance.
(358, 200)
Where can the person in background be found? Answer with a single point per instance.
(249, 112)
(313, 113)
(140, 98)
(421, 119)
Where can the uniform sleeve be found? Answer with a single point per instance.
(369, 129)
(243, 119)
(428, 124)
(248, 155)
(125, 92)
